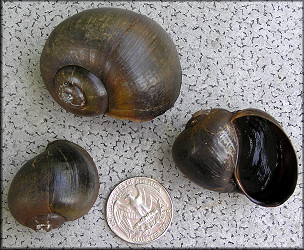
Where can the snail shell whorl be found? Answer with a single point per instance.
(132, 56)
(205, 151)
(60, 184)
(245, 151)
(80, 91)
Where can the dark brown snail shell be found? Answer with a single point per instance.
(60, 184)
(245, 151)
(112, 61)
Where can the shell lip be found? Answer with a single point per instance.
(256, 201)
(292, 169)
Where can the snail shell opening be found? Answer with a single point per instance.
(266, 170)
(244, 151)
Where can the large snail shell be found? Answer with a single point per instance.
(113, 61)
(245, 151)
(60, 184)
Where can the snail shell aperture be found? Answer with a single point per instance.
(245, 151)
(60, 184)
(113, 61)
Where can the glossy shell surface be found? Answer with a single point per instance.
(58, 185)
(133, 58)
(244, 151)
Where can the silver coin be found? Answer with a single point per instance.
(139, 210)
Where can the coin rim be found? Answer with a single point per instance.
(108, 204)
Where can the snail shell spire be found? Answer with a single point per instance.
(113, 61)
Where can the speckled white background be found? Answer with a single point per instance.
(233, 55)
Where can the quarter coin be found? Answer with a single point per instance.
(139, 210)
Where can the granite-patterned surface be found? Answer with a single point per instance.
(233, 55)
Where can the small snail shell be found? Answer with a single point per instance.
(112, 61)
(60, 184)
(245, 151)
